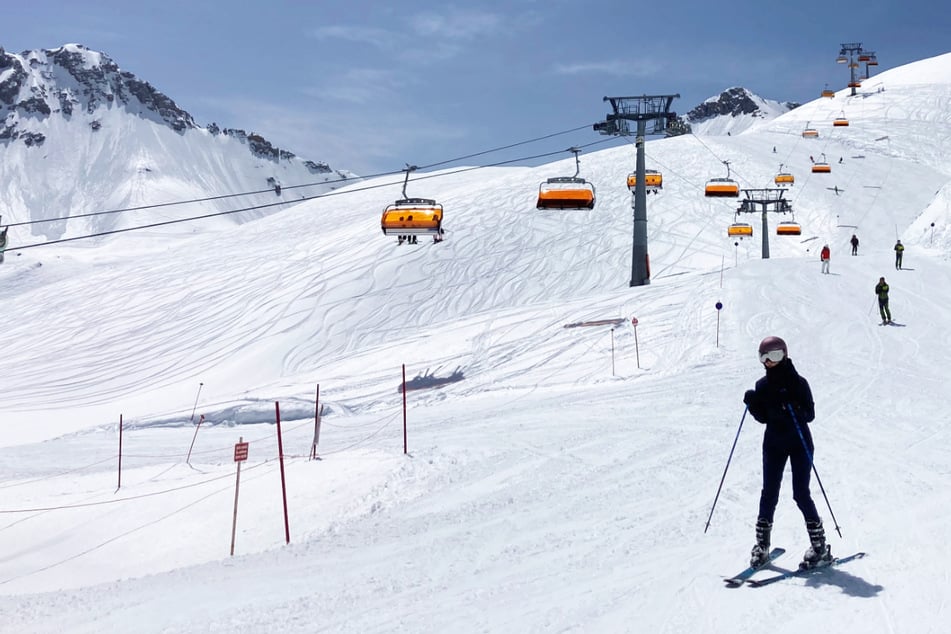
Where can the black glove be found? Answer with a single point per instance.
(750, 397)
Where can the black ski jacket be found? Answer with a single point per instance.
(768, 402)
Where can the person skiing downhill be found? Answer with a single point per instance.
(825, 255)
(881, 289)
(782, 400)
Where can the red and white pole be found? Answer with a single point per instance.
(280, 456)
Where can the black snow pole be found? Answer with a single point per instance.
(723, 477)
(809, 455)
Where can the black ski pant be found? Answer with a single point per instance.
(774, 463)
(883, 309)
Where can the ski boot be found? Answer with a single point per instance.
(819, 552)
(760, 553)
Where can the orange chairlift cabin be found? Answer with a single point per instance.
(739, 229)
(784, 179)
(408, 218)
(840, 121)
(809, 133)
(566, 192)
(722, 187)
(821, 167)
(653, 181)
(788, 227)
(828, 92)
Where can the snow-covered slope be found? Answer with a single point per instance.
(559, 479)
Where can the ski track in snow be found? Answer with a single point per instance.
(542, 492)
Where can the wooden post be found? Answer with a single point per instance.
(240, 455)
(317, 410)
(405, 450)
(119, 484)
(280, 456)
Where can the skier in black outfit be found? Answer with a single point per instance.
(782, 400)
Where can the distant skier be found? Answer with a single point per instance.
(855, 244)
(824, 256)
(881, 289)
(899, 251)
(782, 400)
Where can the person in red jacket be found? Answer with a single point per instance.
(824, 256)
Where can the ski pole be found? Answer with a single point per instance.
(813, 464)
(723, 477)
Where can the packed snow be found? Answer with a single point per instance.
(556, 479)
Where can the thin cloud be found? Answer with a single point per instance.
(617, 68)
(358, 34)
(457, 24)
(359, 86)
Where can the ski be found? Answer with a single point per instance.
(738, 579)
(759, 583)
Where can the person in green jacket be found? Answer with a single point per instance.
(899, 250)
(881, 289)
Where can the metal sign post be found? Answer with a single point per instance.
(637, 349)
(188, 458)
(240, 455)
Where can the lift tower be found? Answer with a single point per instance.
(654, 109)
(847, 55)
(766, 198)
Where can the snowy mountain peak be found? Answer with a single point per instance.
(733, 111)
(75, 102)
(70, 79)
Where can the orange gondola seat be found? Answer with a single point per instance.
(740, 230)
(784, 179)
(722, 187)
(413, 217)
(788, 228)
(653, 181)
(566, 192)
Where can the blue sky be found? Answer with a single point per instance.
(370, 86)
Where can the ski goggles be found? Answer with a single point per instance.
(772, 355)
